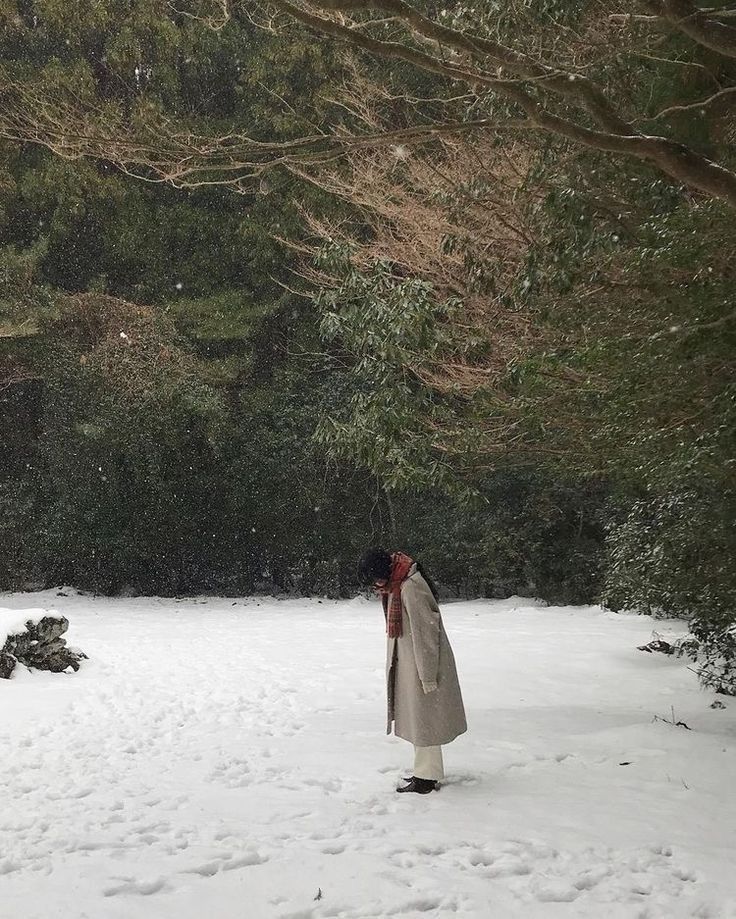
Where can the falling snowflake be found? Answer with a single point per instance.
(400, 152)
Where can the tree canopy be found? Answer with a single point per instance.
(374, 270)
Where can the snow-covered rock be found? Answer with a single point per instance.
(33, 638)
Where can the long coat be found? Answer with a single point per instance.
(425, 705)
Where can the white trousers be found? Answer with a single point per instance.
(428, 763)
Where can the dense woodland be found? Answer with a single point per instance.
(281, 280)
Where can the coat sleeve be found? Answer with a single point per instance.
(424, 618)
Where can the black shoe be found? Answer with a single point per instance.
(419, 786)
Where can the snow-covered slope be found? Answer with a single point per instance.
(225, 759)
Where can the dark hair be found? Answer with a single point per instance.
(374, 565)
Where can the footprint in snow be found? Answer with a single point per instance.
(244, 861)
(551, 891)
(328, 785)
(208, 870)
(508, 866)
(139, 888)
(334, 850)
(592, 877)
(421, 905)
(461, 778)
(228, 863)
(481, 859)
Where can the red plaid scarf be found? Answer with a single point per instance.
(391, 593)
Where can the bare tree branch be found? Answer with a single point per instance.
(215, 20)
(559, 101)
(569, 86)
(695, 106)
(677, 160)
(703, 27)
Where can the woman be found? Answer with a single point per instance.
(424, 701)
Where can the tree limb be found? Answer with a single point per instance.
(675, 159)
(570, 86)
(693, 106)
(697, 24)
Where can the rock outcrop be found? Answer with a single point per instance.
(38, 644)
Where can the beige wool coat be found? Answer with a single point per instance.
(425, 705)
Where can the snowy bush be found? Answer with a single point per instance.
(672, 556)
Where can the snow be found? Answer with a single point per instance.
(13, 621)
(226, 758)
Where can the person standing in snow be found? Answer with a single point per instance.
(425, 705)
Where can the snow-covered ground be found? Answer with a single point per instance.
(225, 759)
